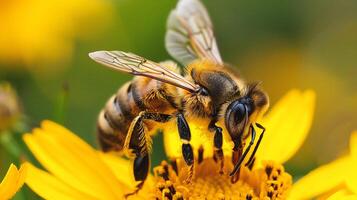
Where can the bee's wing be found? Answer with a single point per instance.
(139, 66)
(190, 33)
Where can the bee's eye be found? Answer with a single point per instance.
(239, 113)
(235, 116)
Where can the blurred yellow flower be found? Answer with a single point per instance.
(77, 171)
(13, 181)
(9, 106)
(40, 30)
(338, 178)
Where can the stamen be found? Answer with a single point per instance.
(178, 196)
(270, 181)
(166, 194)
(170, 187)
(174, 165)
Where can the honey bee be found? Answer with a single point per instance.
(208, 89)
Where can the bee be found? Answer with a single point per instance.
(207, 89)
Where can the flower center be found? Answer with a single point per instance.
(206, 181)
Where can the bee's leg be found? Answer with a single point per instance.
(185, 136)
(236, 154)
(141, 170)
(251, 158)
(137, 141)
(241, 158)
(217, 143)
(200, 152)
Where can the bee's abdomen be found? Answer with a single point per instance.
(114, 120)
(141, 94)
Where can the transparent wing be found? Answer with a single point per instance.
(190, 33)
(139, 66)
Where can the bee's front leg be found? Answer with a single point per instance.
(235, 172)
(185, 136)
(251, 160)
(217, 143)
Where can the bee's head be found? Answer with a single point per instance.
(245, 110)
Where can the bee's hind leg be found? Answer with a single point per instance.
(218, 155)
(137, 141)
(141, 170)
(187, 151)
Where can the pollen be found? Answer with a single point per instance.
(270, 181)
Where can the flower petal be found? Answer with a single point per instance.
(50, 187)
(13, 181)
(119, 167)
(123, 170)
(322, 179)
(91, 159)
(353, 144)
(73, 161)
(342, 195)
(351, 179)
(22, 176)
(287, 125)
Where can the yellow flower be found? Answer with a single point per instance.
(74, 170)
(338, 178)
(13, 181)
(9, 106)
(40, 30)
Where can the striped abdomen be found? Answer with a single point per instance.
(141, 94)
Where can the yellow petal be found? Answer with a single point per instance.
(322, 179)
(343, 195)
(73, 161)
(287, 125)
(22, 176)
(92, 160)
(351, 179)
(120, 167)
(353, 144)
(123, 170)
(13, 181)
(50, 187)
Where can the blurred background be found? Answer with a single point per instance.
(302, 44)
